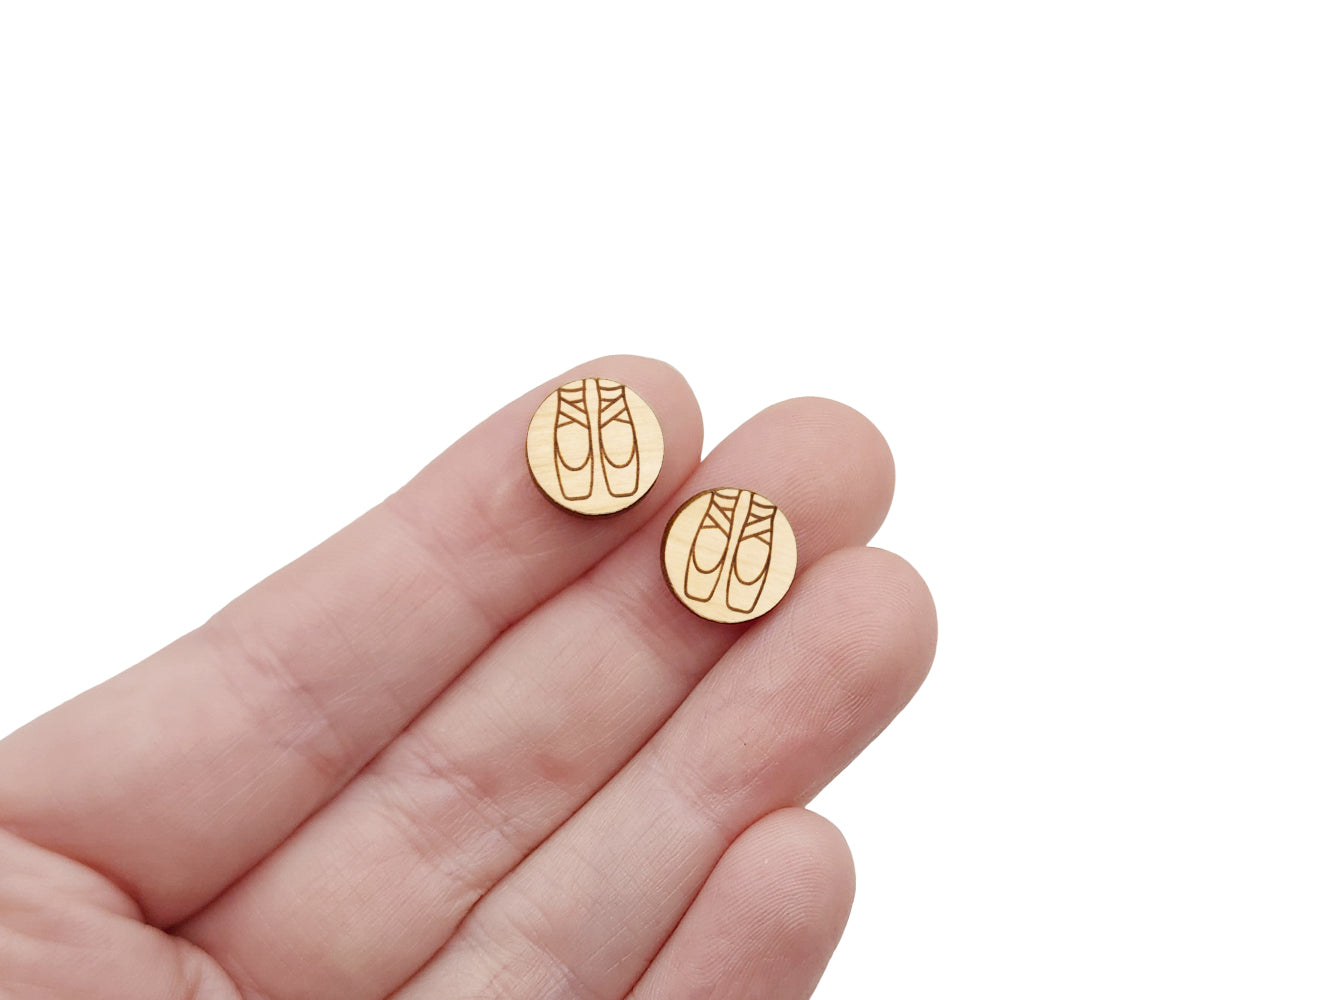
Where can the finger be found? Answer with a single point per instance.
(767, 920)
(795, 699)
(534, 727)
(174, 777)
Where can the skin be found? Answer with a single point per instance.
(471, 747)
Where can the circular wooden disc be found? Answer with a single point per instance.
(729, 554)
(594, 446)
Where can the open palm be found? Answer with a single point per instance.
(472, 747)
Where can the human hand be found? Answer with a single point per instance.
(471, 746)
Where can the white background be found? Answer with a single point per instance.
(259, 262)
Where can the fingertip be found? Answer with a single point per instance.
(768, 918)
(911, 606)
(799, 868)
(852, 483)
(864, 616)
(812, 846)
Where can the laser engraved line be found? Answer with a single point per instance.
(617, 439)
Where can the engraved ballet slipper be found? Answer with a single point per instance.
(754, 553)
(620, 445)
(709, 548)
(573, 443)
(733, 533)
(594, 446)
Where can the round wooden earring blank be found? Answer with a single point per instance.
(594, 446)
(729, 554)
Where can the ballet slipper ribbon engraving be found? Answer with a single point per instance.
(594, 446)
(729, 554)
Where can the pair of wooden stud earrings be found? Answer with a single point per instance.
(595, 448)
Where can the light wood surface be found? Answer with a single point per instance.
(594, 446)
(729, 554)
